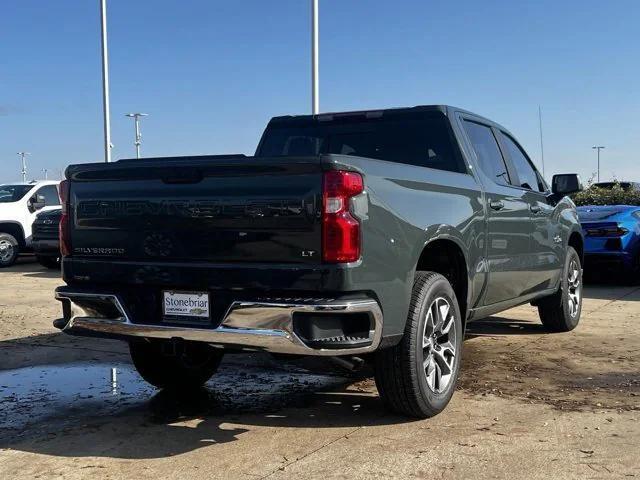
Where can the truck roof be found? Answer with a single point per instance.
(445, 109)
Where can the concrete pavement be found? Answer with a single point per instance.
(529, 405)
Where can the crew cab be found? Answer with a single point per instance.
(374, 234)
(19, 205)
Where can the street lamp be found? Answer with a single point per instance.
(24, 165)
(138, 137)
(106, 116)
(598, 148)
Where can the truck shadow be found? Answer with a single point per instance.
(24, 263)
(82, 413)
(498, 325)
(45, 273)
(609, 290)
(29, 267)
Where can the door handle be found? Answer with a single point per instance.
(496, 205)
(536, 208)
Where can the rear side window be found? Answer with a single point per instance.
(487, 150)
(526, 173)
(416, 139)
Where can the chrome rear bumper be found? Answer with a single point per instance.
(264, 325)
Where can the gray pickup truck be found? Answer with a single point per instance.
(374, 234)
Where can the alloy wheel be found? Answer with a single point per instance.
(6, 250)
(439, 345)
(574, 287)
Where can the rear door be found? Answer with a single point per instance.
(507, 210)
(545, 256)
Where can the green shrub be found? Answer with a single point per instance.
(593, 195)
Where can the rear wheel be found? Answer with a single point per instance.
(418, 376)
(9, 250)
(560, 312)
(52, 263)
(167, 364)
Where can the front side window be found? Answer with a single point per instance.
(50, 194)
(487, 150)
(13, 193)
(526, 173)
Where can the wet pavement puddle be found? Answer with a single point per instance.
(50, 397)
(32, 393)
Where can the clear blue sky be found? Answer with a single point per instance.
(211, 73)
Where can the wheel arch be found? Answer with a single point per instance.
(445, 255)
(577, 242)
(14, 229)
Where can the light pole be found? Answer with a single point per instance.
(105, 82)
(315, 85)
(24, 165)
(598, 148)
(138, 137)
(46, 173)
(541, 144)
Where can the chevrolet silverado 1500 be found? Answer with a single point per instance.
(375, 234)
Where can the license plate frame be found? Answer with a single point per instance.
(180, 310)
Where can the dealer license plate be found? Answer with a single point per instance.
(188, 307)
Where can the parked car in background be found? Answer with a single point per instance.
(612, 239)
(19, 205)
(45, 239)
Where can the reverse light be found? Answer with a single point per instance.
(63, 229)
(340, 229)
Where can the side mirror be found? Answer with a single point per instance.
(38, 202)
(566, 184)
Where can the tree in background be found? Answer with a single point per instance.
(616, 195)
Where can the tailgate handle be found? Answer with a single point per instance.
(182, 176)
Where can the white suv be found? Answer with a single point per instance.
(19, 205)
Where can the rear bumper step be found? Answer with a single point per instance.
(261, 325)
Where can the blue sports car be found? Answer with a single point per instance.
(611, 238)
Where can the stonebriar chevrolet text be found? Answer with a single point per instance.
(375, 234)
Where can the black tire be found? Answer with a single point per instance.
(52, 263)
(165, 364)
(400, 372)
(9, 250)
(559, 312)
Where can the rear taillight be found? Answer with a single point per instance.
(65, 239)
(340, 229)
(607, 231)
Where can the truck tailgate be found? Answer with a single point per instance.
(218, 209)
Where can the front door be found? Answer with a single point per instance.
(546, 252)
